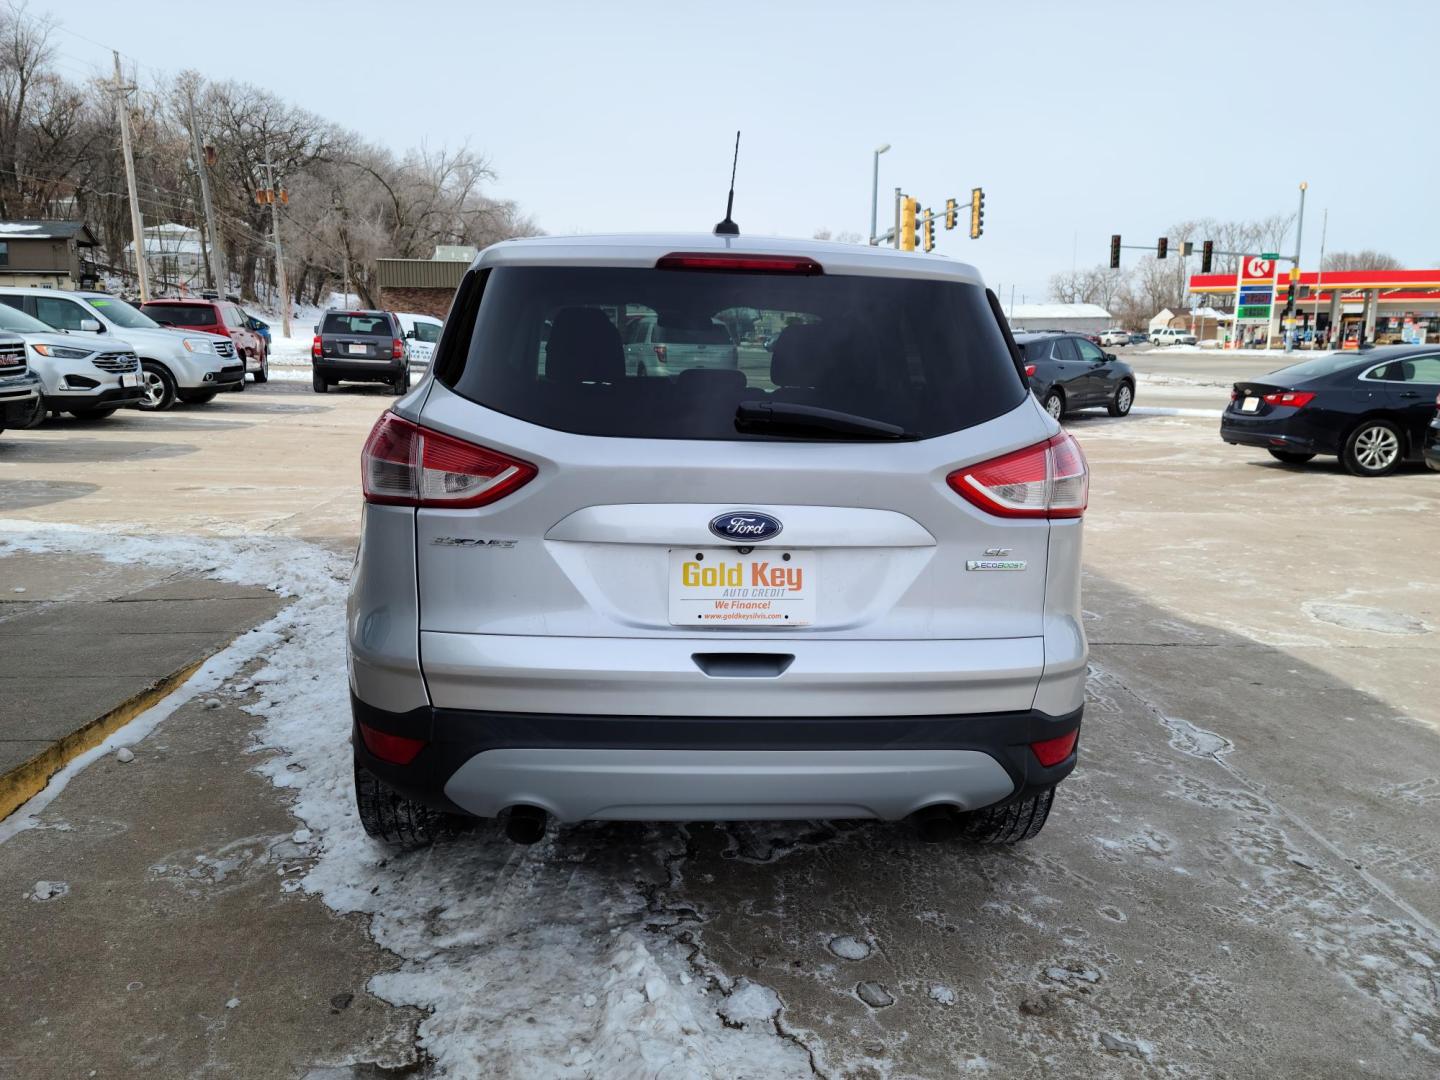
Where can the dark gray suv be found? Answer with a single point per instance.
(360, 346)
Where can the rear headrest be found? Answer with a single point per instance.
(584, 346)
(711, 382)
(799, 355)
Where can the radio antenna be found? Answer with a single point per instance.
(728, 227)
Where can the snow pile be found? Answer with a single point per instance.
(532, 961)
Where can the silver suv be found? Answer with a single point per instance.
(78, 373)
(840, 580)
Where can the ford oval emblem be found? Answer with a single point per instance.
(745, 526)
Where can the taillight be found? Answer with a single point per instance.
(660, 353)
(397, 349)
(1053, 751)
(1047, 480)
(1295, 398)
(1029, 371)
(1234, 394)
(315, 348)
(404, 464)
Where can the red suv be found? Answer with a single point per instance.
(216, 317)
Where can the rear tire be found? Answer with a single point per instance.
(389, 816)
(263, 375)
(1010, 823)
(1291, 457)
(1124, 398)
(318, 384)
(1055, 404)
(1374, 448)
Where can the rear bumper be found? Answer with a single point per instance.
(359, 370)
(1273, 433)
(685, 768)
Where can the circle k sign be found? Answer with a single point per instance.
(1258, 269)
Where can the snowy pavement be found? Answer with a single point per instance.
(1247, 845)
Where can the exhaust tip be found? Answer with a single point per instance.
(525, 824)
(935, 824)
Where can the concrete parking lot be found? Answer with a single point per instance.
(1239, 880)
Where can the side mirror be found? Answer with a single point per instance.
(1108, 356)
(410, 333)
(91, 326)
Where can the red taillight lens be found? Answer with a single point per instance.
(315, 349)
(753, 264)
(1297, 399)
(1053, 751)
(1029, 371)
(1234, 394)
(1047, 480)
(404, 464)
(396, 749)
(660, 353)
(397, 349)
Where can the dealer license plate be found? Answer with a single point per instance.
(359, 350)
(721, 587)
(129, 380)
(1251, 404)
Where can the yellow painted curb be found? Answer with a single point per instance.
(29, 778)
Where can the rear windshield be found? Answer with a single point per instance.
(182, 314)
(347, 323)
(1318, 367)
(557, 346)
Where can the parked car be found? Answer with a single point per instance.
(19, 386)
(1137, 338)
(176, 365)
(261, 327)
(667, 344)
(586, 593)
(1374, 409)
(1068, 373)
(1170, 335)
(216, 317)
(359, 346)
(1115, 337)
(87, 377)
(422, 332)
(1432, 440)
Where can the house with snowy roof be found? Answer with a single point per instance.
(47, 254)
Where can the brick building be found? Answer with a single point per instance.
(419, 286)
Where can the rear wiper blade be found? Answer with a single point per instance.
(790, 414)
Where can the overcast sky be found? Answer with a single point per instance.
(1078, 119)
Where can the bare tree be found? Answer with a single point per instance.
(1361, 260)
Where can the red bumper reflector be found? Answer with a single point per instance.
(1053, 751)
(396, 749)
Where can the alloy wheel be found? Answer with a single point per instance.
(1122, 399)
(154, 389)
(1376, 448)
(1054, 406)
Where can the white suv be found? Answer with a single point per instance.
(838, 578)
(188, 366)
(1115, 337)
(1169, 335)
(78, 374)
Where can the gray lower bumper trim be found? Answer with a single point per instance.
(726, 785)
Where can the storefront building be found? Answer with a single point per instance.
(1342, 308)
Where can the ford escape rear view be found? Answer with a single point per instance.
(835, 575)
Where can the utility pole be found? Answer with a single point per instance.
(279, 254)
(1289, 322)
(137, 222)
(217, 258)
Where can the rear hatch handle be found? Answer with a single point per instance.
(743, 665)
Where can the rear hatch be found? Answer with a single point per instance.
(356, 335)
(186, 316)
(625, 529)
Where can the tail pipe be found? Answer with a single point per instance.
(525, 824)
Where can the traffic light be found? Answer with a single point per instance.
(951, 213)
(1115, 252)
(1207, 256)
(929, 231)
(907, 222)
(1162, 247)
(977, 212)
(1187, 248)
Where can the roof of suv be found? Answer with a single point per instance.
(643, 250)
(188, 301)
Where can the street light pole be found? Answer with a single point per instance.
(875, 191)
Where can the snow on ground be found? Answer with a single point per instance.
(531, 961)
